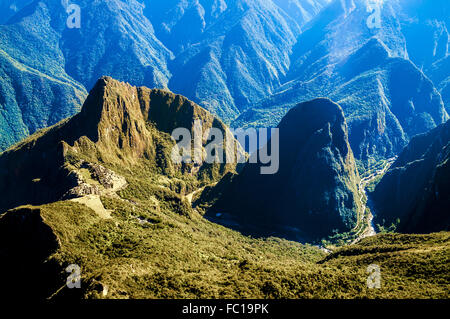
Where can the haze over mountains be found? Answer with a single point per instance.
(386, 97)
(246, 61)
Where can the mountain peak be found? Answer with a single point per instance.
(323, 108)
(306, 118)
(315, 189)
(119, 126)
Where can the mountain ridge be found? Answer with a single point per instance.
(367, 86)
(416, 185)
(316, 187)
(126, 40)
(118, 125)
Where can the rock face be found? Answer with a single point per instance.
(120, 126)
(315, 190)
(416, 189)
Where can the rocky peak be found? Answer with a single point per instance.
(119, 126)
(315, 189)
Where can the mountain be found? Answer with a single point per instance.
(100, 195)
(47, 67)
(416, 188)
(139, 252)
(231, 52)
(248, 59)
(315, 190)
(120, 128)
(99, 190)
(401, 24)
(386, 98)
(114, 38)
(236, 51)
(35, 90)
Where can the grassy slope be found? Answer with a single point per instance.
(176, 256)
(175, 253)
(179, 254)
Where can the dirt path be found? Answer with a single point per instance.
(190, 196)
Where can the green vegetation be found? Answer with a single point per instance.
(315, 189)
(388, 229)
(173, 256)
(134, 233)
